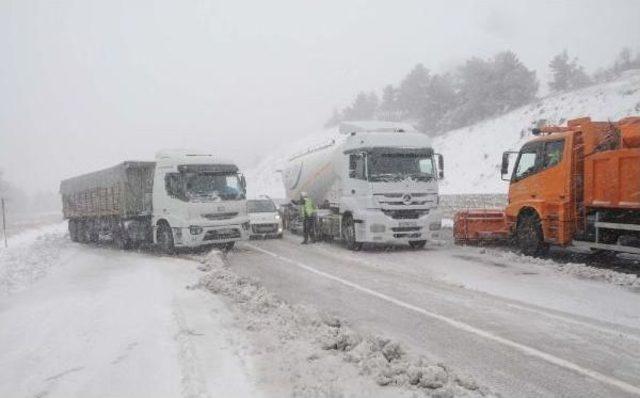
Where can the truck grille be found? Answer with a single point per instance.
(221, 234)
(264, 228)
(220, 216)
(405, 214)
(405, 229)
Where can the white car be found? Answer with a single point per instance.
(264, 218)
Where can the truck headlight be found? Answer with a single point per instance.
(435, 226)
(195, 230)
(377, 228)
(277, 217)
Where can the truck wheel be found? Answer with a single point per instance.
(529, 236)
(73, 230)
(418, 244)
(121, 240)
(92, 234)
(165, 239)
(81, 232)
(349, 234)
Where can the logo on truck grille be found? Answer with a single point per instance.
(406, 199)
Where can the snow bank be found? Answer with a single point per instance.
(583, 271)
(30, 255)
(473, 154)
(322, 356)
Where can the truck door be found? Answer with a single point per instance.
(358, 185)
(541, 176)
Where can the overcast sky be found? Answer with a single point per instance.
(86, 84)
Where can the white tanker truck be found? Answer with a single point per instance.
(374, 182)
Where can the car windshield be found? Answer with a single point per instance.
(260, 206)
(400, 166)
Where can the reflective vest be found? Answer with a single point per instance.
(307, 208)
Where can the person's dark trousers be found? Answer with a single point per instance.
(307, 227)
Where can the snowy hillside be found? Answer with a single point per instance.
(473, 154)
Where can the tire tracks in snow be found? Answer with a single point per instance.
(192, 380)
(465, 327)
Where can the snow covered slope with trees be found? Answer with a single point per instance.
(473, 153)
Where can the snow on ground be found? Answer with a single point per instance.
(319, 355)
(113, 324)
(473, 154)
(29, 256)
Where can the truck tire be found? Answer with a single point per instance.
(349, 234)
(418, 244)
(165, 239)
(92, 233)
(529, 236)
(73, 230)
(81, 232)
(120, 240)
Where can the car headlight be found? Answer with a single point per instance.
(435, 226)
(195, 230)
(277, 217)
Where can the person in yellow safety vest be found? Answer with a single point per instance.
(308, 214)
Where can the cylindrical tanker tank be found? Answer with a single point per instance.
(316, 172)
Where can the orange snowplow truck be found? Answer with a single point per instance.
(576, 185)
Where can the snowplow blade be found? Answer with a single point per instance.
(480, 225)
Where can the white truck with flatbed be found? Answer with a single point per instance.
(373, 182)
(183, 199)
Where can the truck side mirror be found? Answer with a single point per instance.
(440, 166)
(243, 183)
(504, 168)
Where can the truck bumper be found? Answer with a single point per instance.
(209, 235)
(373, 226)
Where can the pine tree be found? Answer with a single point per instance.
(388, 109)
(412, 93)
(567, 75)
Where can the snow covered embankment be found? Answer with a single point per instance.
(30, 255)
(473, 154)
(319, 355)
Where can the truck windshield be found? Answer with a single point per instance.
(205, 187)
(260, 206)
(400, 166)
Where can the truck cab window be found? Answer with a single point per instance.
(357, 166)
(553, 153)
(426, 166)
(528, 162)
(174, 186)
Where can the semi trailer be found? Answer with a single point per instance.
(372, 182)
(575, 185)
(182, 199)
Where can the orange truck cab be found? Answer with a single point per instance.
(575, 185)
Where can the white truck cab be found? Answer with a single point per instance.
(375, 182)
(198, 199)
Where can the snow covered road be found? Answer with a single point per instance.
(521, 328)
(106, 323)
